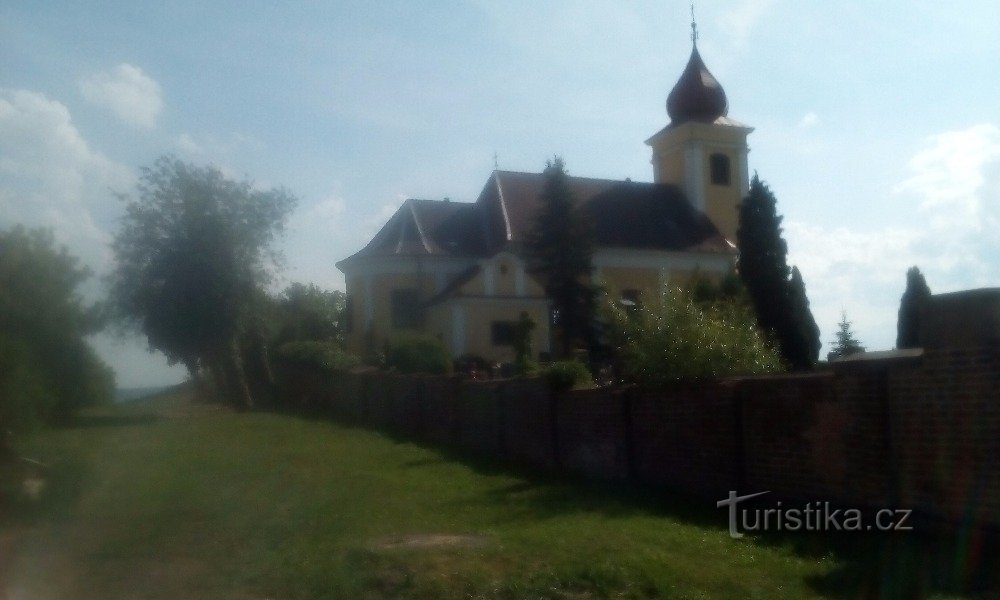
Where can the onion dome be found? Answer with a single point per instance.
(697, 95)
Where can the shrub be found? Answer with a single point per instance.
(679, 338)
(564, 375)
(416, 353)
(327, 356)
(469, 363)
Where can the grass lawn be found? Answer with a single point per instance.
(166, 499)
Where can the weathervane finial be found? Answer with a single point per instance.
(694, 27)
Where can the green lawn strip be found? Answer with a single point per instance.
(263, 505)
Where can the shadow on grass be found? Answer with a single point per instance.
(935, 560)
(86, 421)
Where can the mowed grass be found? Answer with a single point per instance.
(164, 499)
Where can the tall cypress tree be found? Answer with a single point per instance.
(776, 292)
(560, 249)
(805, 337)
(908, 326)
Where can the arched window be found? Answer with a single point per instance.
(719, 164)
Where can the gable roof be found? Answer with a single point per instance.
(426, 228)
(626, 214)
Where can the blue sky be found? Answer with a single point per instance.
(877, 125)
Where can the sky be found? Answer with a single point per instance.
(877, 124)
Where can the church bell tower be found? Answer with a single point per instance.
(702, 150)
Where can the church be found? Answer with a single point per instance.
(457, 271)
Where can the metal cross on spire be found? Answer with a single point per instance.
(694, 27)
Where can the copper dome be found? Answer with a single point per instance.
(697, 95)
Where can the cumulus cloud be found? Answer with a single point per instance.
(126, 91)
(51, 177)
(215, 148)
(954, 186)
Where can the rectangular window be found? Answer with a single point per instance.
(502, 333)
(405, 308)
(719, 164)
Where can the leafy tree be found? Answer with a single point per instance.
(778, 298)
(308, 312)
(522, 343)
(706, 290)
(47, 369)
(678, 337)
(560, 249)
(908, 326)
(192, 257)
(845, 343)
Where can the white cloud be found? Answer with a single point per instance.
(954, 185)
(51, 177)
(215, 149)
(810, 119)
(128, 92)
(187, 145)
(328, 210)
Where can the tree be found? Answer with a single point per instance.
(560, 250)
(680, 337)
(805, 343)
(845, 344)
(47, 369)
(916, 294)
(192, 257)
(777, 295)
(308, 312)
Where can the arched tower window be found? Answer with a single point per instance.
(719, 164)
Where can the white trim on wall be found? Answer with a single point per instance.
(694, 174)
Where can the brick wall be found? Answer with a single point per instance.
(910, 429)
(685, 437)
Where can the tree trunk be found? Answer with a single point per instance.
(238, 391)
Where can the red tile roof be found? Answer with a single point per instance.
(626, 214)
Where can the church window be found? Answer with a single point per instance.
(405, 308)
(502, 333)
(720, 169)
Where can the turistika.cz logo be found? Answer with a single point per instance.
(813, 516)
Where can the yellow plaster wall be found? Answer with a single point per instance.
(479, 317)
(504, 276)
(381, 329)
(473, 287)
(721, 202)
(618, 279)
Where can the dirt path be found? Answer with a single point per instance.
(39, 559)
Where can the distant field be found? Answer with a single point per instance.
(167, 499)
(138, 393)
